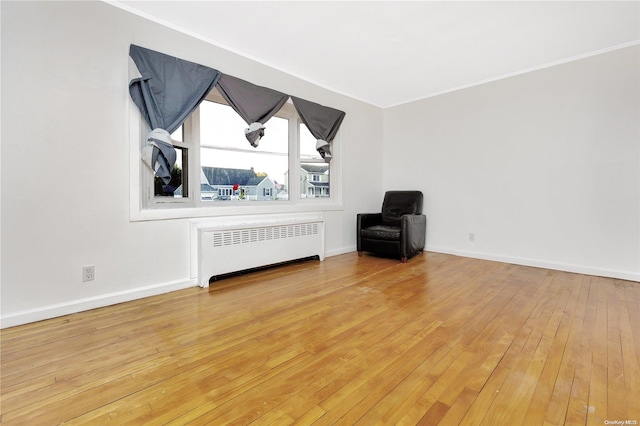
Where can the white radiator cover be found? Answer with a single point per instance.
(231, 244)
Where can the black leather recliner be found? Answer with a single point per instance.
(399, 230)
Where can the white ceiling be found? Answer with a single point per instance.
(391, 52)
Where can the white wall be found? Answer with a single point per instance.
(544, 168)
(65, 159)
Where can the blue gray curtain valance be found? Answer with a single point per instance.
(323, 123)
(166, 91)
(255, 104)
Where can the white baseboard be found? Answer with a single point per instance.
(74, 306)
(541, 263)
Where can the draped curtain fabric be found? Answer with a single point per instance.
(166, 92)
(323, 123)
(255, 104)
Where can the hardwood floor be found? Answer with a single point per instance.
(440, 339)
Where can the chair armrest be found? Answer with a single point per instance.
(413, 231)
(365, 220)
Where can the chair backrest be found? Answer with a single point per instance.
(398, 203)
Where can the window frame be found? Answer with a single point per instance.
(145, 206)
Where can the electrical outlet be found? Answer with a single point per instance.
(472, 236)
(88, 273)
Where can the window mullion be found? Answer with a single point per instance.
(192, 135)
(294, 160)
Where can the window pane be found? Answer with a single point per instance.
(178, 186)
(314, 174)
(177, 135)
(234, 170)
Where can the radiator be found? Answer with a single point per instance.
(232, 244)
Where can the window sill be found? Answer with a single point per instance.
(234, 210)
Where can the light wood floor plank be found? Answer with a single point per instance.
(574, 337)
(570, 320)
(630, 352)
(598, 389)
(351, 340)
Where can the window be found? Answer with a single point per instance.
(218, 172)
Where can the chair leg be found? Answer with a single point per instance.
(404, 259)
(360, 254)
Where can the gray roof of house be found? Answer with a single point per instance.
(255, 181)
(315, 168)
(223, 176)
